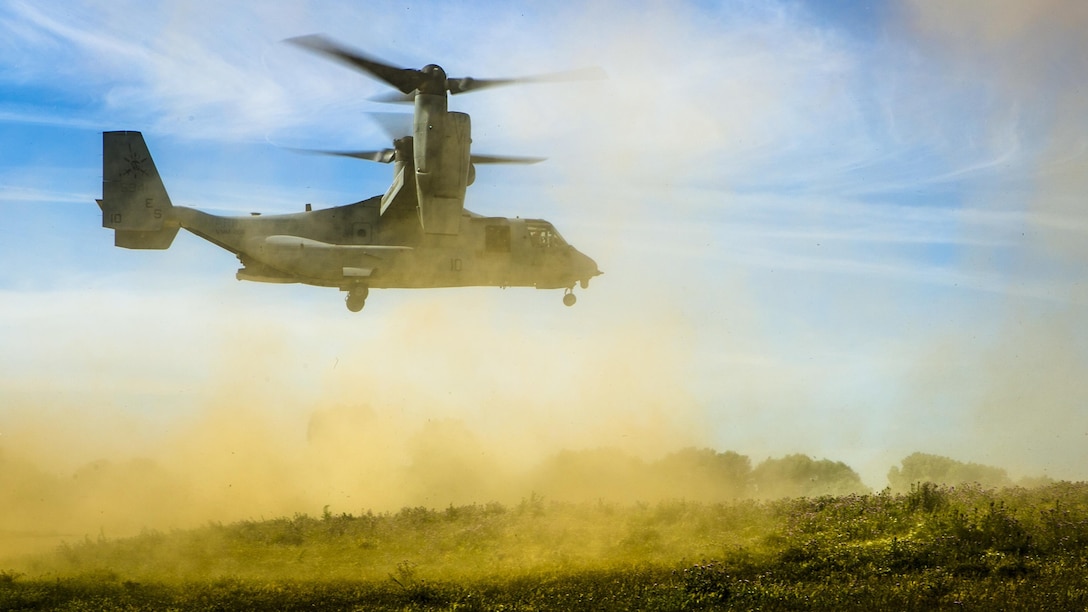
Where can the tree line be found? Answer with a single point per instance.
(707, 475)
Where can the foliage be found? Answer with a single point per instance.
(800, 475)
(934, 547)
(704, 473)
(921, 467)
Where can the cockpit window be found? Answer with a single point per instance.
(542, 234)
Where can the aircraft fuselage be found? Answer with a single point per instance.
(352, 246)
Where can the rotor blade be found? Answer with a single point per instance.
(466, 84)
(505, 159)
(404, 79)
(395, 125)
(383, 156)
(394, 97)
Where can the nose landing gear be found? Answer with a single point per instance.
(569, 298)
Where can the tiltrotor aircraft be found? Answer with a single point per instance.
(418, 234)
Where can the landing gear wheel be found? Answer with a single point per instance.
(569, 298)
(357, 298)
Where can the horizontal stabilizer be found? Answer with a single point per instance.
(159, 240)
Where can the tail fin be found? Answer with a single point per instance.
(134, 201)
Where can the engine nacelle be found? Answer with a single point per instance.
(441, 187)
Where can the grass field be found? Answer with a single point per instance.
(963, 548)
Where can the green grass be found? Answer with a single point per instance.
(932, 548)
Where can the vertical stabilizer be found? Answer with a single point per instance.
(134, 200)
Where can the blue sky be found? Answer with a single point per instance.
(850, 230)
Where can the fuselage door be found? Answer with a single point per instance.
(497, 238)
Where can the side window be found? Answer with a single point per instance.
(497, 238)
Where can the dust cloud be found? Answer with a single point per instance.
(1024, 378)
(439, 406)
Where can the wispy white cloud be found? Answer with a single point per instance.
(44, 117)
(16, 194)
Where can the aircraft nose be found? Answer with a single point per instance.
(587, 269)
(590, 266)
(593, 267)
